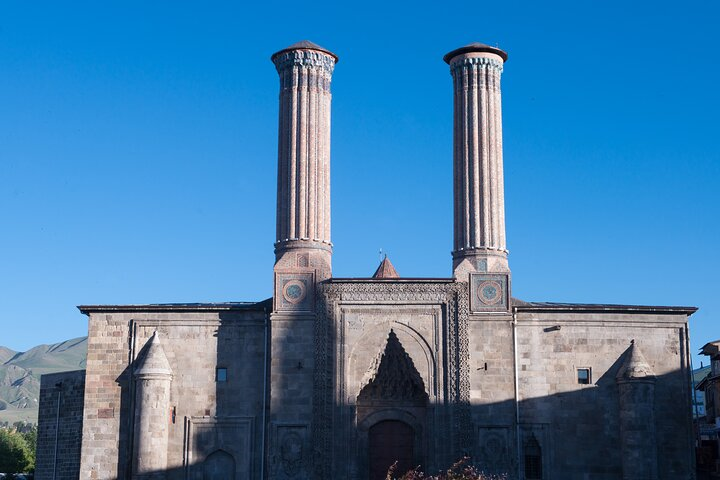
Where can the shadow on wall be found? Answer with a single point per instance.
(216, 429)
(571, 435)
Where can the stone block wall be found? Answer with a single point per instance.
(63, 461)
(196, 344)
(577, 425)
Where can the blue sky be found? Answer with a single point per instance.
(138, 150)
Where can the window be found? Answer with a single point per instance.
(533, 459)
(583, 376)
(221, 374)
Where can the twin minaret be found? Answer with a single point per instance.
(479, 205)
(303, 209)
(303, 202)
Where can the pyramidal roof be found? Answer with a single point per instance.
(386, 270)
(635, 367)
(154, 362)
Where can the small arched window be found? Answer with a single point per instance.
(219, 465)
(533, 459)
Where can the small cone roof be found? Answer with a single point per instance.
(635, 366)
(305, 45)
(386, 270)
(154, 362)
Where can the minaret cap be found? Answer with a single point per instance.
(154, 363)
(305, 45)
(635, 367)
(476, 47)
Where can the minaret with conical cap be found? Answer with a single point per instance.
(636, 389)
(153, 376)
(303, 196)
(479, 205)
(303, 251)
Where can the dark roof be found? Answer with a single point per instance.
(476, 47)
(708, 380)
(597, 308)
(180, 307)
(699, 374)
(386, 270)
(305, 45)
(712, 349)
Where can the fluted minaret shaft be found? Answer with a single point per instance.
(479, 203)
(303, 202)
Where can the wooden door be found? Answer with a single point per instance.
(390, 441)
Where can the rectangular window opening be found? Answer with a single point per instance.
(221, 374)
(583, 376)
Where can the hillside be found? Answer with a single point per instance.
(20, 375)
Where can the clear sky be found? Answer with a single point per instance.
(138, 150)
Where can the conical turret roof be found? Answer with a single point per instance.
(154, 362)
(635, 367)
(305, 45)
(386, 270)
(476, 47)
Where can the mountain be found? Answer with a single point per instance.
(20, 375)
(6, 354)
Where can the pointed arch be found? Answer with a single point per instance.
(219, 465)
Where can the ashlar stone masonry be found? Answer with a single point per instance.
(341, 377)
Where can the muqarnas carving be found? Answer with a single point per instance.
(489, 292)
(396, 379)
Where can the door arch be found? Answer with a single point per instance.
(219, 465)
(390, 441)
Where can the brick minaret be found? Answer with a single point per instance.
(479, 240)
(303, 202)
(303, 251)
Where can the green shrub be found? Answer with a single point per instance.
(16, 454)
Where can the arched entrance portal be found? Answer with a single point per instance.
(390, 441)
(219, 465)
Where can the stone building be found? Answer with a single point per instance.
(709, 425)
(340, 377)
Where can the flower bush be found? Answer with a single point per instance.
(461, 470)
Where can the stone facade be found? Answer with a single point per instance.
(60, 425)
(336, 377)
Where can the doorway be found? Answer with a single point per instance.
(390, 441)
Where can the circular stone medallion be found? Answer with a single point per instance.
(489, 292)
(294, 291)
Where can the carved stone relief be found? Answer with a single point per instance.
(291, 457)
(494, 447)
(294, 292)
(451, 301)
(395, 378)
(489, 292)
